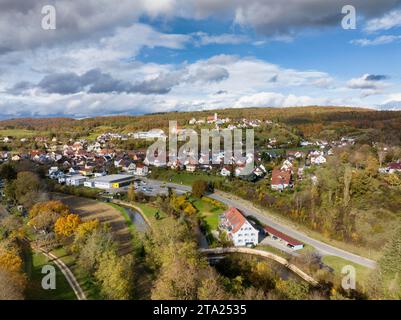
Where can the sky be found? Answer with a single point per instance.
(134, 56)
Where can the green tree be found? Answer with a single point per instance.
(199, 188)
(390, 263)
(115, 275)
(91, 249)
(26, 189)
(7, 171)
(292, 290)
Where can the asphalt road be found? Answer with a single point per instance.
(322, 248)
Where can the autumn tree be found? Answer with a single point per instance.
(90, 250)
(12, 279)
(199, 188)
(292, 290)
(10, 225)
(12, 285)
(86, 228)
(182, 272)
(115, 275)
(55, 206)
(44, 215)
(10, 261)
(26, 189)
(131, 195)
(67, 225)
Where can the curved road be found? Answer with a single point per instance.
(323, 248)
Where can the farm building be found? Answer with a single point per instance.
(283, 238)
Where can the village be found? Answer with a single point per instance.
(97, 164)
(100, 165)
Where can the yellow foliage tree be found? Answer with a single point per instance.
(67, 225)
(10, 261)
(393, 179)
(53, 206)
(86, 227)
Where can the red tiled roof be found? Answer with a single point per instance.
(235, 219)
(283, 236)
(280, 177)
(395, 166)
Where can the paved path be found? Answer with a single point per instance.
(66, 271)
(278, 245)
(248, 209)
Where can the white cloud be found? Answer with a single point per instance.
(367, 81)
(385, 39)
(92, 19)
(189, 87)
(204, 39)
(274, 99)
(386, 22)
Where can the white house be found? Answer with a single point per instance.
(318, 160)
(190, 167)
(141, 170)
(16, 157)
(286, 166)
(238, 228)
(73, 170)
(100, 174)
(75, 180)
(128, 166)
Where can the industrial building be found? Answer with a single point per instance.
(110, 182)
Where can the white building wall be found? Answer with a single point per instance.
(247, 234)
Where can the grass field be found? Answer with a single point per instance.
(336, 263)
(187, 178)
(124, 214)
(86, 283)
(20, 133)
(98, 131)
(209, 212)
(149, 211)
(35, 291)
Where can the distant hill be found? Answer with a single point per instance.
(304, 122)
(314, 121)
(390, 106)
(36, 123)
(262, 113)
